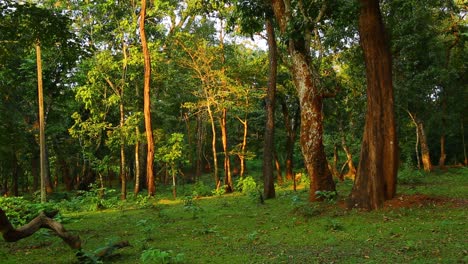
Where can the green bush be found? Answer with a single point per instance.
(247, 185)
(200, 189)
(20, 211)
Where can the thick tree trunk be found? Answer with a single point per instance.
(377, 170)
(227, 163)
(147, 104)
(307, 84)
(268, 144)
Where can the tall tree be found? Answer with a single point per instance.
(295, 25)
(377, 170)
(147, 104)
(268, 143)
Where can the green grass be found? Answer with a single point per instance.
(236, 228)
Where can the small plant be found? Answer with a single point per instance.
(161, 256)
(252, 236)
(328, 196)
(190, 205)
(220, 191)
(334, 225)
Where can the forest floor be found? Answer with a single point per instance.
(426, 223)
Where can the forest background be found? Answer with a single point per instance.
(211, 92)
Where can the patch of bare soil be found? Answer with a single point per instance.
(421, 200)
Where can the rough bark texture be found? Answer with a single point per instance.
(268, 178)
(147, 104)
(307, 85)
(377, 170)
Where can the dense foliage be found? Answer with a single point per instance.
(208, 90)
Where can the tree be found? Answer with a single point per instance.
(378, 165)
(296, 30)
(268, 149)
(147, 104)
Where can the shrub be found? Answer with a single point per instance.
(247, 185)
(20, 211)
(200, 189)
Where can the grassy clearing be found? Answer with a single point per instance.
(427, 223)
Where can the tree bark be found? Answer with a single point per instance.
(268, 144)
(377, 170)
(307, 84)
(136, 190)
(147, 104)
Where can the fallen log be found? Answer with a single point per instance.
(43, 220)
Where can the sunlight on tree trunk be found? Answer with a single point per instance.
(41, 123)
(147, 104)
(377, 170)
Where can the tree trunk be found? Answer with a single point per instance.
(41, 123)
(227, 163)
(279, 173)
(307, 84)
(349, 158)
(147, 104)
(123, 174)
(416, 147)
(425, 155)
(136, 190)
(268, 144)
(200, 136)
(291, 132)
(377, 170)
(213, 146)
(243, 147)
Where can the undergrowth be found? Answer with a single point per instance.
(235, 228)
